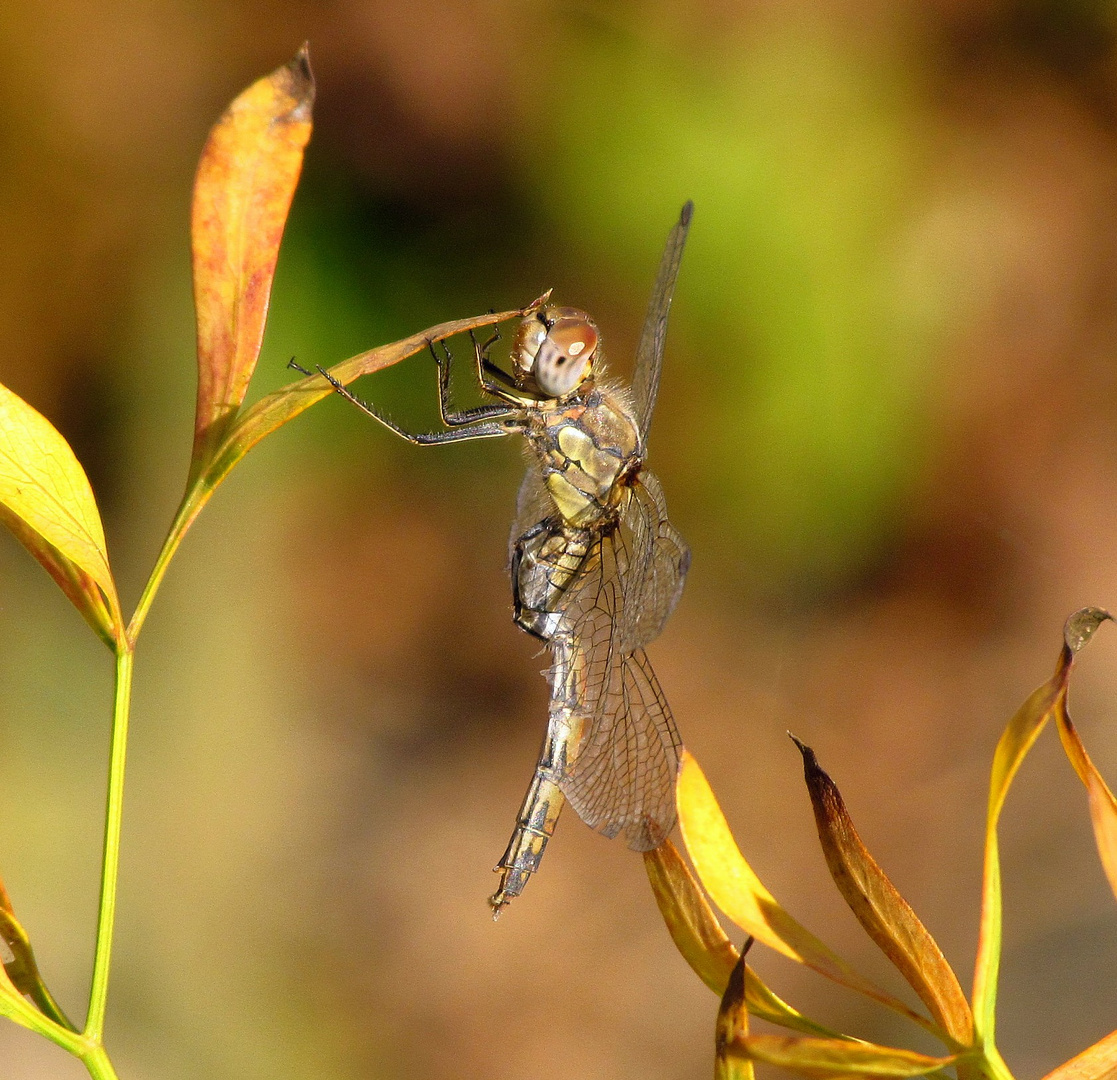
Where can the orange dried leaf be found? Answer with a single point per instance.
(1103, 805)
(49, 505)
(242, 192)
(732, 1026)
(1098, 1062)
(735, 888)
(273, 411)
(1018, 738)
(882, 911)
(837, 1057)
(704, 945)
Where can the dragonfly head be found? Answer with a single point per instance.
(555, 348)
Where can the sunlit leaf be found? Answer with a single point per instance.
(1103, 805)
(836, 1057)
(49, 505)
(732, 1027)
(735, 888)
(274, 410)
(704, 945)
(1098, 1062)
(692, 924)
(242, 193)
(1018, 737)
(882, 911)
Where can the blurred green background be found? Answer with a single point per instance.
(887, 427)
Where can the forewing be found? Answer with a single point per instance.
(649, 354)
(623, 775)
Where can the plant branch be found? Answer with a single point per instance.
(95, 1019)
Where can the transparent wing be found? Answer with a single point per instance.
(655, 558)
(622, 777)
(533, 504)
(649, 354)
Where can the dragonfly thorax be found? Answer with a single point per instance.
(555, 349)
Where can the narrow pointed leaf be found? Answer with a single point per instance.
(1103, 805)
(837, 1057)
(704, 944)
(690, 920)
(882, 911)
(732, 1026)
(1098, 1062)
(48, 503)
(1018, 738)
(273, 411)
(245, 182)
(735, 888)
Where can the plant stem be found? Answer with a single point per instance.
(98, 1064)
(994, 1065)
(95, 1019)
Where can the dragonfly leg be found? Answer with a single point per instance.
(545, 560)
(452, 417)
(491, 430)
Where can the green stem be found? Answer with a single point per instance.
(95, 1019)
(98, 1064)
(994, 1065)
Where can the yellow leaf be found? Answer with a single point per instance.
(1103, 805)
(882, 911)
(691, 922)
(242, 192)
(1018, 738)
(49, 504)
(735, 888)
(836, 1057)
(704, 945)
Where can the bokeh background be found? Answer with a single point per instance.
(887, 426)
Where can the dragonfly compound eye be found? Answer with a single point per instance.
(556, 347)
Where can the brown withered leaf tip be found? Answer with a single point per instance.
(300, 83)
(1080, 627)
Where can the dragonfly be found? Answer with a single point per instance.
(596, 566)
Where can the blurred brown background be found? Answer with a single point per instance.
(888, 428)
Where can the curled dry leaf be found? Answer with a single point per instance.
(242, 192)
(1103, 806)
(49, 505)
(734, 887)
(704, 945)
(835, 1057)
(882, 911)
(1015, 742)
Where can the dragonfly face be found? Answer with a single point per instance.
(554, 351)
